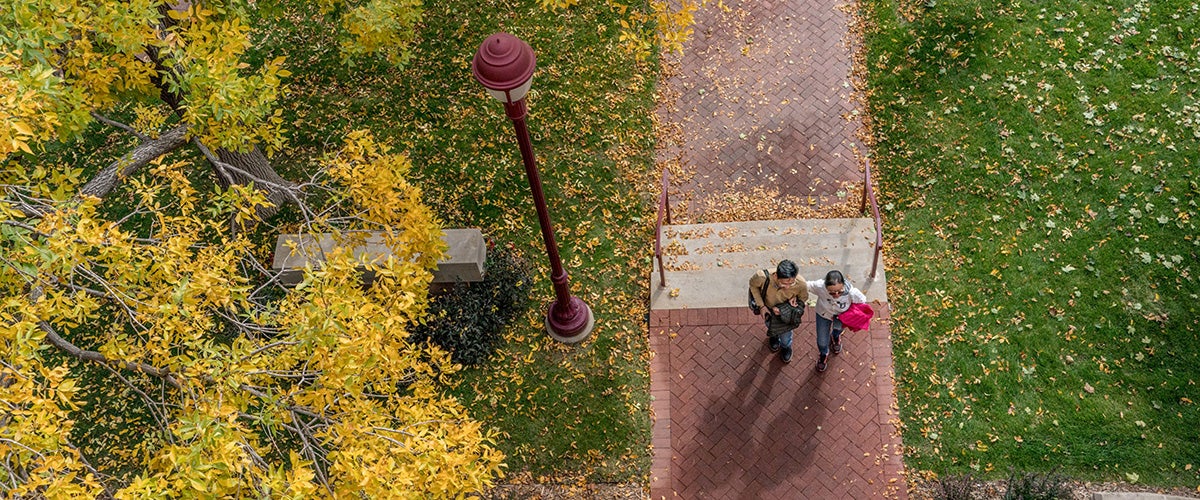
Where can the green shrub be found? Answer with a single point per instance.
(956, 488)
(1037, 486)
(469, 320)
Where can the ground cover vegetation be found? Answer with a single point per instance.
(1038, 164)
(469, 319)
(147, 348)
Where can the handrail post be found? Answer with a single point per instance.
(862, 204)
(664, 206)
(666, 201)
(869, 192)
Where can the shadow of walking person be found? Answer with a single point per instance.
(791, 428)
(733, 433)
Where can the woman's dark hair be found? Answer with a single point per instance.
(834, 278)
(786, 269)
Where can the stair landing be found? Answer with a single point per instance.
(709, 265)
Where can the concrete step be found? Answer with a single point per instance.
(693, 239)
(827, 257)
(727, 287)
(708, 265)
(740, 245)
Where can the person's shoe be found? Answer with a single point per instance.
(837, 346)
(786, 355)
(821, 364)
(773, 344)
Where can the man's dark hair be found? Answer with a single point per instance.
(786, 269)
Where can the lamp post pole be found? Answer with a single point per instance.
(504, 65)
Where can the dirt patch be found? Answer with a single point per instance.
(994, 490)
(559, 492)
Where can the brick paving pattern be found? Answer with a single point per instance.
(732, 421)
(761, 97)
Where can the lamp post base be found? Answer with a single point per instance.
(573, 329)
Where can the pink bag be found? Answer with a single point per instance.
(858, 317)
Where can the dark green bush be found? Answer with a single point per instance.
(1037, 486)
(956, 488)
(469, 320)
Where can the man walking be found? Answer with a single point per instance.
(782, 304)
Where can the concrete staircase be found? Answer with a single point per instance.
(708, 265)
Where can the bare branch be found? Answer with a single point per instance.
(315, 453)
(151, 404)
(225, 169)
(284, 375)
(217, 164)
(245, 326)
(28, 205)
(96, 278)
(88, 465)
(388, 439)
(272, 345)
(113, 123)
(254, 456)
(22, 445)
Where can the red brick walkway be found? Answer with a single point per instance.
(761, 97)
(734, 422)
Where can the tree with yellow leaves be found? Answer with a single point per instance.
(134, 303)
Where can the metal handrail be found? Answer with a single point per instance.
(869, 192)
(663, 207)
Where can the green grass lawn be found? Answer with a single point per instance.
(564, 413)
(1038, 167)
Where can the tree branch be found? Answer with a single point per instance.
(315, 453)
(159, 417)
(28, 205)
(224, 168)
(111, 293)
(105, 180)
(66, 346)
(217, 164)
(113, 123)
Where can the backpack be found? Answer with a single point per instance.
(754, 306)
(788, 319)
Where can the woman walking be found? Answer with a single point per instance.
(834, 296)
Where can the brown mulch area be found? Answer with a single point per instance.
(920, 489)
(559, 492)
(994, 490)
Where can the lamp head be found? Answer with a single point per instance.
(504, 64)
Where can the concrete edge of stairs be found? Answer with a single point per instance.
(713, 279)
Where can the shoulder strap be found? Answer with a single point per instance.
(766, 282)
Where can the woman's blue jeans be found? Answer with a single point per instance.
(828, 331)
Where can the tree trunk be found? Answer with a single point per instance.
(254, 167)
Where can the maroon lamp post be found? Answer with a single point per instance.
(504, 65)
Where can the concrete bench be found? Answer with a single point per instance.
(464, 260)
